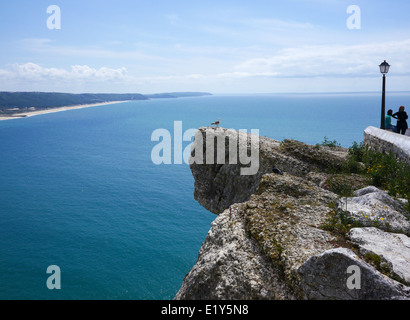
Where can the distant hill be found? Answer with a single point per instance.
(54, 99)
(15, 102)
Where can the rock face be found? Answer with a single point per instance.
(268, 240)
(231, 265)
(326, 276)
(218, 185)
(374, 207)
(390, 250)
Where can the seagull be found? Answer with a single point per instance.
(216, 123)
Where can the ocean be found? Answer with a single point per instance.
(79, 190)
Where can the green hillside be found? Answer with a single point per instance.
(16, 102)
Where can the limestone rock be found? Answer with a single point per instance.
(326, 277)
(220, 183)
(267, 241)
(374, 207)
(254, 249)
(392, 248)
(284, 216)
(232, 266)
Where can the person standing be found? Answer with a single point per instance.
(401, 117)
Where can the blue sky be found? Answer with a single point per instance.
(257, 46)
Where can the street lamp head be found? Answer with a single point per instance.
(384, 67)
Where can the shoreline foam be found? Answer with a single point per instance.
(57, 109)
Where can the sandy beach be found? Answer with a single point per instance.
(58, 109)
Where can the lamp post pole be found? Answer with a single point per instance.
(384, 68)
(383, 102)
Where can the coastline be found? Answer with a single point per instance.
(57, 109)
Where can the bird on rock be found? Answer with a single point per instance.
(216, 123)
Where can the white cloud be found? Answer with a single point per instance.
(101, 74)
(288, 69)
(332, 60)
(35, 72)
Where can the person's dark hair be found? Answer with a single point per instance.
(390, 112)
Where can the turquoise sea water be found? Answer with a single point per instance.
(78, 188)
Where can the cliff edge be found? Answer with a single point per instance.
(274, 236)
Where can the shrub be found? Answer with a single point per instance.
(384, 170)
(328, 143)
(356, 151)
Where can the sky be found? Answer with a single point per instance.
(224, 46)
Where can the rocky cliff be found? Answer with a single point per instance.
(287, 233)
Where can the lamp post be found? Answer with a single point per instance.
(384, 69)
